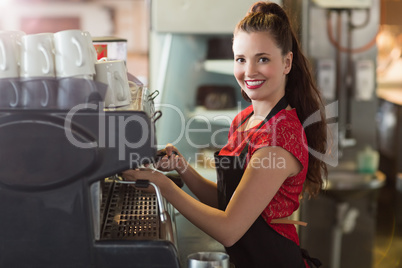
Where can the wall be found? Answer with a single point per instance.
(128, 19)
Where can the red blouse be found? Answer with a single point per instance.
(286, 131)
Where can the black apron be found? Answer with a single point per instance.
(260, 246)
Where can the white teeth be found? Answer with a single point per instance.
(254, 83)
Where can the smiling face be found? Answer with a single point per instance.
(260, 68)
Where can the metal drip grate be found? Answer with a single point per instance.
(106, 188)
(131, 215)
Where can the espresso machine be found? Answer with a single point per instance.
(62, 201)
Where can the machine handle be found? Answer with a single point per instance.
(145, 184)
(153, 95)
(156, 116)
(142, 184)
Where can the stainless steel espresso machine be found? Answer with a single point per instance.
(61, 202)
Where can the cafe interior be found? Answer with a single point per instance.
(179, 51)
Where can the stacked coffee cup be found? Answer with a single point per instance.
(75, 54)
(40, 70)
(114, 74)
(75, 58)
(10, 42)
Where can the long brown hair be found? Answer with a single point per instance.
(300, 90)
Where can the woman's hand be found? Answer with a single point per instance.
(173, 160)
(145, 174)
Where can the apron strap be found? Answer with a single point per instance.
(282, 104)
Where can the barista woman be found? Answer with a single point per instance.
(265, 165)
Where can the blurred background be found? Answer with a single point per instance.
(128, 19)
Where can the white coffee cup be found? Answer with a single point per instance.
(37, 56)
(10, 93)
(114, 74)
(91, 47)
(10, 43)
(76, 91)
(39, 93)
(74, 54)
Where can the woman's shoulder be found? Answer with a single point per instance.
(286, 131)
(283, 128)
(285, 119)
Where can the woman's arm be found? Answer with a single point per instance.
(204, 189)
(258, 186)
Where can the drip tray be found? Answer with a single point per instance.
(130, 214)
